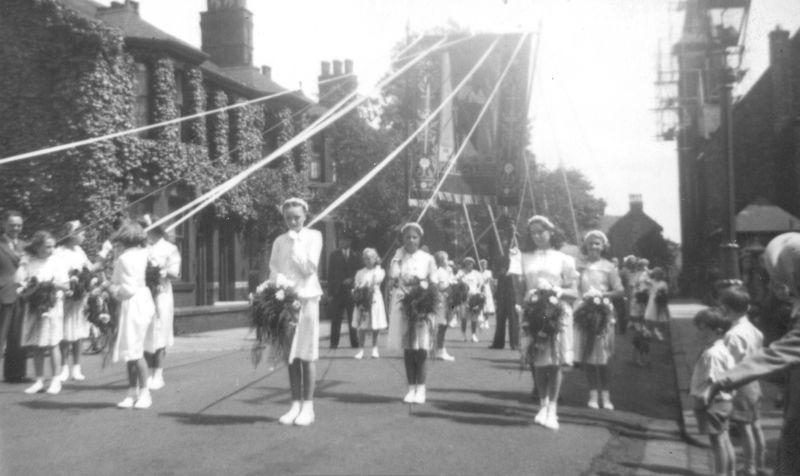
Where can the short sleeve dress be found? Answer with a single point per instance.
(160, 334)
(136, 307)
(444, 278)
(602, 276)
(655, 312)
(76, 326)
(554, 269)
(474, 281)
(295, 256)
(375, 320)
(405, 267)
(45, 329)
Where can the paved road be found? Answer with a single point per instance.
(217, 414)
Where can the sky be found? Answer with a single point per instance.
(593, 95)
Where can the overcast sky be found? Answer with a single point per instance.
(594, 89)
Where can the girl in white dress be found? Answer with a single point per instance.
(43, 331)
(294, 258)
(371, 275)
(136, 311)
(474, 281)
(409, 265)
(444, 278)
(656, 313)
(489, 308)
(547, 268)
(76, 325)
(160, 334)
(598, 277)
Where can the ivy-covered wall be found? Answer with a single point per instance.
(65, 78)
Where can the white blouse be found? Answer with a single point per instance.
(72, 258)
(548, 267)
(419, 264)
(295, 257)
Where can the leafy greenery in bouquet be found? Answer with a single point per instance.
(476, 302)
(459, 292)
(274, 312)
(593, 317)
(80, 283)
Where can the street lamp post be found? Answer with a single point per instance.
(729, 249)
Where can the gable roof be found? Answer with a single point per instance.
(763, 217)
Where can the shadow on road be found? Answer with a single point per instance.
(56, 405)
(202, 419)
(658, 469)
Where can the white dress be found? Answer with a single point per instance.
(603, 276)
(136, 307)
(404, 268)
(444, 278)
(474, 281)
(160, 334)
(44, 330)
(376, 320)
(76, 325)
(295, 257)
(554, 269)
(653, 312)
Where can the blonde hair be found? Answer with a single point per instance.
(371, 253)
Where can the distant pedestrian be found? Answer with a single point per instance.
(744, 340)
(471, 317)
(343, 264)
(43, 323)
(372, 317)
(295, 257)
(713, 417)
(656, 314)
(136, 311)
(445, 278)
(489, 308)
(508, 272)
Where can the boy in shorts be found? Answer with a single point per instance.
(713, 419)
(743, 340)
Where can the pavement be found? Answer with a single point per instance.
(686, 348)
(218, 414)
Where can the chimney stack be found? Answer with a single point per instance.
(337, 68)
(348, 66)
(325, 68)
(780, 62)
(227, 32)
(266, 71)
(636, 203)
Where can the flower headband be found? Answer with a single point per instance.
(412, 226)
(295, 202)
(597, 234)
(543, 220)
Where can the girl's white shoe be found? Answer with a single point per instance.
(77, 374)
(64, 375)
(541, 416)
(289, 417)
(593, 400)
(306, 416)
(359, 355)
(375, 354)
(551, 420)
(37, 387)
(419, 396)
(55, 386)
(144, 401)
(606, 396)
(129, 400)
(411, 395)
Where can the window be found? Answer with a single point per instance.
(315, 162)
(181, 108)
(141, 88)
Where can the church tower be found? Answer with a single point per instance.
(227, 32)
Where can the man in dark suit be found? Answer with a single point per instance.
(10, 252)
(343, 264)
(508, 280)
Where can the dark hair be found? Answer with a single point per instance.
(712, 318)
(37, 242)
(735, 298)
(557, 237)
(658, 273)
(130, 235)
(11, 213)
(157, 230)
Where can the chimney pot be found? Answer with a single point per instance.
(337, 68)
(348, 66)
(325, 67)
(266, 71)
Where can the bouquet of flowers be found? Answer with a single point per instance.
(593, 317)
(541, 316)
(419, 303)
(476, 302)
(362, 297)
(80, 283)
(661, 298)
(459, 291)
(275, 310)
(152, 277)
(41, 296)
(641, 297)
(101, 313)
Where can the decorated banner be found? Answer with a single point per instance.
(490, 165)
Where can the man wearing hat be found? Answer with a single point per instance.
(343, 264)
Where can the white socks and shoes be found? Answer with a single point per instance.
(442, 354)
(541, 416)
(306, 415)
(606, 397)
(289, 417)
(156, 382)
(76, 373)
(375, 354)
(411, 396)
(144, 401)
(129, 400)
(419, 396)
(593, 400)
(475, 338)
(359, 355)
(551, 420)
(64, 375)
(55, 386)
(37, 387)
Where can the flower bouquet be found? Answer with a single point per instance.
(41, 297)
(100, 312)
(476, 303)
(459, 292)
(152, 277)
(593, 317)
(661, 298)
(419, 302)
(362, 299)
(641, 297)
(80, 283)
(542, 313)
(275, 311)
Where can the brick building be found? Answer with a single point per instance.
(223, 252)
